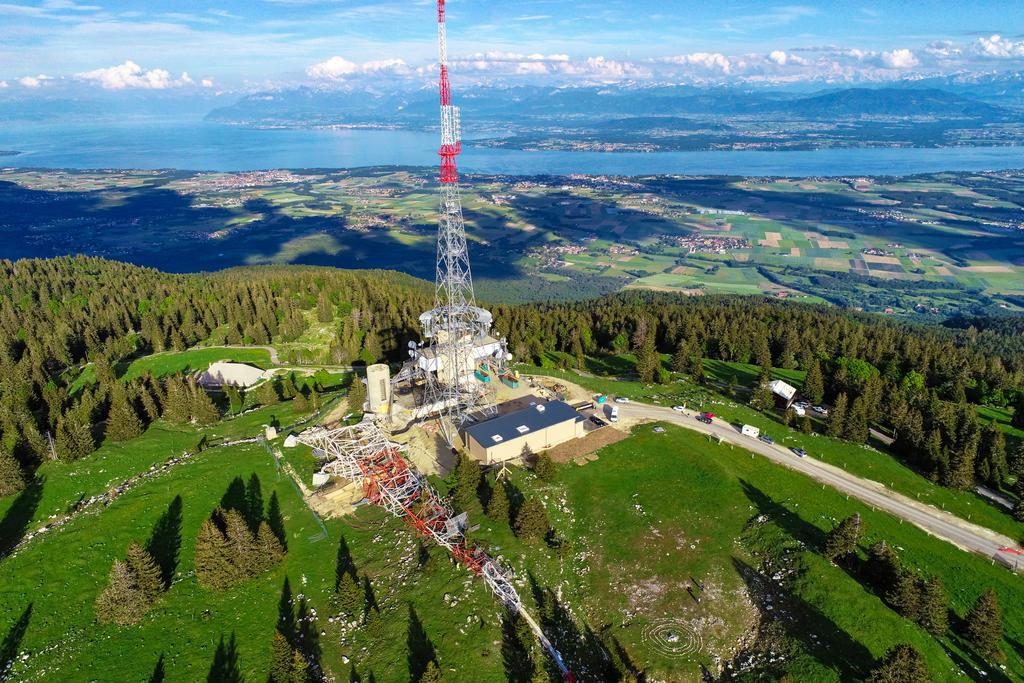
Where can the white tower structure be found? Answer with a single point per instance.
(463, 362)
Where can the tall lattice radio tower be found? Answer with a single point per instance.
(463, 362)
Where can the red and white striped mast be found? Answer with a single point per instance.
(457, 329)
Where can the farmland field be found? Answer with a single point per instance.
(922, 246)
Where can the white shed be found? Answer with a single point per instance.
(784, 392)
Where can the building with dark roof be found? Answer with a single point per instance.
(537, 428)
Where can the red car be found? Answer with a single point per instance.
(706, 418)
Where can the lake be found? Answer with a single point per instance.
(197, 145)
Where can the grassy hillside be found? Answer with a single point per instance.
(655, 514)
(865, 461)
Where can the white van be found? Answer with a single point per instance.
(751, 431)
(615, 414)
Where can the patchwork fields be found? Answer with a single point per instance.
(922, 246)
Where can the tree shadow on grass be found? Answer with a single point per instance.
(309, 640)
(12, 641)
(420, 650)
(515, 650)
(965, 655)
(164, 543)
(789, 521)
(159, 672)
(19, 515)
(234, 497)
(580, 647)
(805, 624)
(286, 613)
(344, 564)
(224, 668)
(253, 511)
(275, 520)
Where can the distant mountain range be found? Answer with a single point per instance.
(485, 107)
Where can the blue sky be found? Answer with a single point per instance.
(245, 45)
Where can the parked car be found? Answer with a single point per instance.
(800, 453)
(621, 399)
(821, 410)
(767, 439)
(705, 420)
(598, 421)
(678, 409)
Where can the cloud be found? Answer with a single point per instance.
(3, 84)
(537, 64)
(338, 68)
(131, 75)
(779, 57)
(206, 82)
(900, 59)
(942, 49)
(33, 81)
(710, 61)
(997, 47)
(70, 6)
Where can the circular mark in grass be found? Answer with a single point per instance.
(673, 638)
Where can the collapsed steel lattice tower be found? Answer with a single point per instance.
(365, 454)
(458, 330)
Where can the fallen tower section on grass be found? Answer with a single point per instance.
(363, 453)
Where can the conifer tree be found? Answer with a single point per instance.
(836, 425)
(324, 308)
(905, 595)
(241, 544)
(934, 609)
(498, 506)
(266, 394)
(281, 659)
(432, 674)
(532, 520)
(147, 574)
(12, 479)
(1017, 420)
(351, 597)
(74, 437)
(805, 425)
(268, 549)
(123, 422)
(301, 402)
(467, 482)
(814, 383)
(300, 668)
(213, 568)
(842, 540)
(201, 406)
(150, 407)
(235, 401)
(856, 428)
(545, 467)
(985, 626)
(374, 624)
(763, 399)
(121, 602)
(991, 466)
(901, 664)
(177, 408)
(883, 566)
(356, 395)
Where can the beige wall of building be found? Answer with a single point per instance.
(536, 441)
